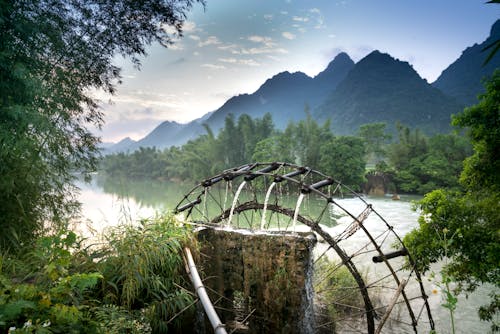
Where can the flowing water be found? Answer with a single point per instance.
(266, 202)
(235, 200)
(106, 203)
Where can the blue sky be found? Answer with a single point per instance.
(232, 46)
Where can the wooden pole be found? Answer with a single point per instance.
(391, 306)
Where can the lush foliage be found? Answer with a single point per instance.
(471, 215)
(336, 289)
(132, 284)
(415, 163)
(375, 138)
(53, 54)
(421, 164)
(305, 142)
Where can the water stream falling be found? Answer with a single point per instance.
(266, 200)
(205, 193)
(235, 200)
(225, 197)
(296, 212)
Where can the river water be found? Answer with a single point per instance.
(108, 203)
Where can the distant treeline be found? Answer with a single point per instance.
(413, 162)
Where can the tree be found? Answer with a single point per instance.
(374, 136)
(53, 54)
(343, 158)
(308, 138)
(469, 218)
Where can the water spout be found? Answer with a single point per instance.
(297, 208)
(235, 200)
(225, 197)
(265, 205)
(205, 193)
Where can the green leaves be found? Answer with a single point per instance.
(143, 268)
(472, 215)
(134, 284)
(52, 55)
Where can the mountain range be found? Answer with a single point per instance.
(379, 88)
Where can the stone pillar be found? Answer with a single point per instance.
(267, 275)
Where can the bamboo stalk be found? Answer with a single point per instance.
(391, 306)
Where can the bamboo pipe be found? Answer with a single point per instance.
(219, 327)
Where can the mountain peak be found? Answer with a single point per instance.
(383, 65)
(495, 29)
(334, 73)
(379, 56)
(342, 62)
(463, 78)
(283, 81)
(288, 75)
(342, 59)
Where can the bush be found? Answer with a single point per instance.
(133, 284)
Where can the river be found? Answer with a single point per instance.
(107, 203)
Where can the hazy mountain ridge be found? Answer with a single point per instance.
(383, 89)
(377, 88)
(285, 95)
(463, 78)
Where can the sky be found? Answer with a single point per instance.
(232, 47)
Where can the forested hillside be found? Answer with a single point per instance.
(414, 162)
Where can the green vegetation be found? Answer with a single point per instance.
(336, 289)
(53, 55)
(421, 164)
(305, 142)
(132, 284)
(470, 214)
(414, 163)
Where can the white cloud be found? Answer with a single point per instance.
(262, 50)
(284, 12)
(189, 26)
(273, 58)
(177, 46)
(268, 17)
(315, 10)
(229, 60)
(211, 40)
(227, 47)
(247, 62)
(169, 29)
(146, 102)
(300, 18)
(194, 37)
(214, 66)
(288, 35)
(266, 41)
(258, 39)
(266, 45)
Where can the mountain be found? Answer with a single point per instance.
(164, 135)
(382, 89)
(170, 134)
(286, 95)
(463, 78)
(123, 145)
(378, 88)
(335, 72)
